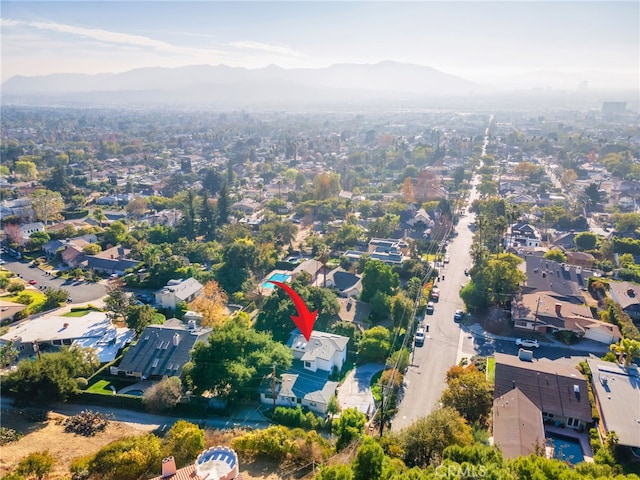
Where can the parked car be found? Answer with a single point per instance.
(32, 282)
(435, 293)
(430, 308)
(458, 315)
(466, 272)
(420, 334)
(527, 343)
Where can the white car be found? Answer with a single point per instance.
(420, 334)
(458, 315)
(527, 343)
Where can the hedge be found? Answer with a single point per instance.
(75, 214)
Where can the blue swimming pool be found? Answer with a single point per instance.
(565, 448)
(276, 277)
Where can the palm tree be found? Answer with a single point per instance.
(323, 257)
(98, 214)
(628, 348)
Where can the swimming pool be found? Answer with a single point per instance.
(565, 448)
(276, 277)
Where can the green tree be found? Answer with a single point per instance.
(626, 222)
(378, 277)
(335, 472)
(374, 345)
(118, 302)
(37, 239)
(239, 259)
(586, 240)
(556, 255)
(115, 234)
(469, 392)
(401, 310)
(628, 348)
(368, 462)
(99, 216)
(234, 360)
(54, 297)
(425, 440)
(129, 458)
(92, 249)
(348, 427)
(51, 377)
(47, 205)
(26, 169)
(184, 441)
(164, 395)
(38, 464)
(592, 192)
(139, 317)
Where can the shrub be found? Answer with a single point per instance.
(24, 298)
(15, 287)
(8, 435)
(82, 383)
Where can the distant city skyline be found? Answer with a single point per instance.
(480, 41)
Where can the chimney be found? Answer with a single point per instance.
(630, 292)
(191, 324)
(66, 325)
(176, 339)
(558, 309)
(168, 467)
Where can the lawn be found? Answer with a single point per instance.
(78, 313)
(36, 296)
(104, 386)
(491, 369)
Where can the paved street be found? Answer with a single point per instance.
(81, 293)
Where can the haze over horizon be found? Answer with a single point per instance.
(485, 42)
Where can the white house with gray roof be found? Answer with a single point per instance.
(324, 351)
(50, 332)
(176, 291)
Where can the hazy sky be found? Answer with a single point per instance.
(476, 40)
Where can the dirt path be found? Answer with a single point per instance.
(50, 435)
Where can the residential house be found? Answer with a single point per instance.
(323, 351)
(307, 382)
(567, 281)
(219, 463)
(346, 283)
(617, 394)
(51, 332)
(161, 350)
(246, 205)
(313, 267)
(112, 261)
(523, 235)
(580, 259)
(387, 250)
(557, 390)
(566, 240)
(518, 429)
(544, 312)
(72, 255)
(28, 229)
(52, 247)
(176, 291)
(169, 217)
(627, 295)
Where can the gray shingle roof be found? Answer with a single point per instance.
(162, 350)
(549, 385)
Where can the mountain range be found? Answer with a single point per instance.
(224, 86)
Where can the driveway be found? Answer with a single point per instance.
(355, 391)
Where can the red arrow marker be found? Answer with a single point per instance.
(305, 319)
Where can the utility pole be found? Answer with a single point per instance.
(535, 318)
(273, 385)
